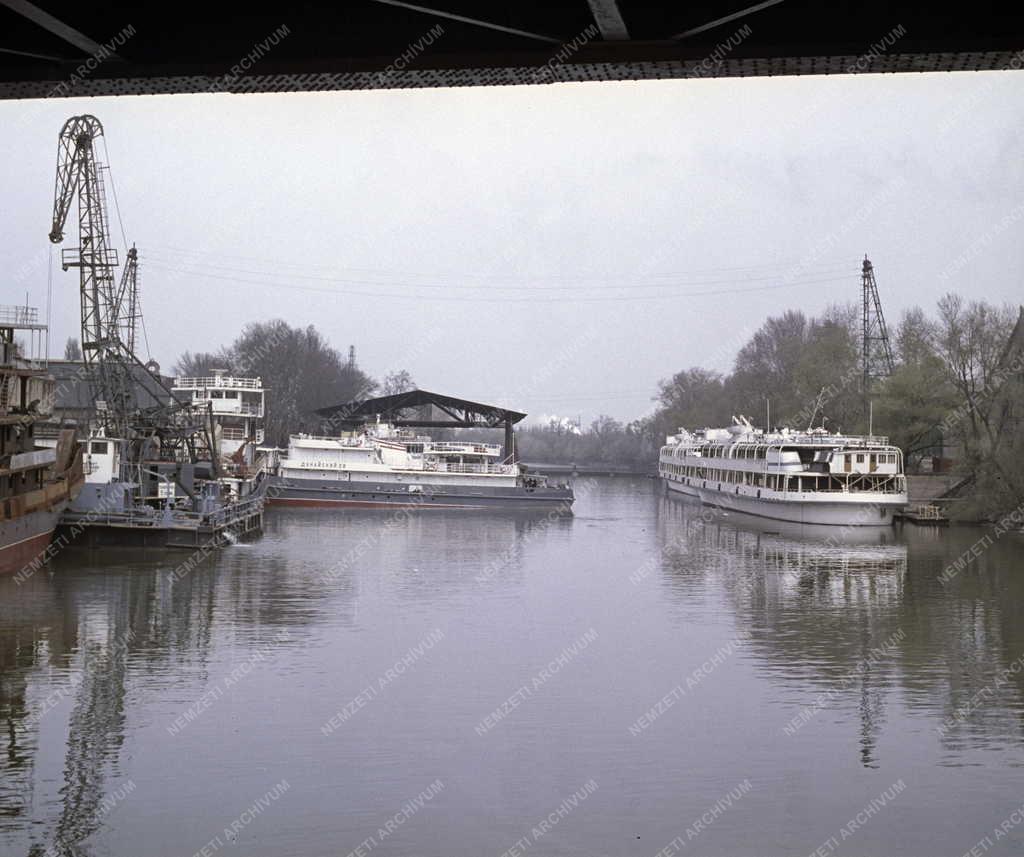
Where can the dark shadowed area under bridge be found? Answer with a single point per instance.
(120, 48)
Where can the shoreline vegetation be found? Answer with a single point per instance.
(954, 402)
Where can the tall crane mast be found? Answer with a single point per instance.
(876, 349)
(110, 313)
(78, 174)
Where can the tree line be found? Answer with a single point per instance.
(955, 396)
(300, 370)
(956, 392)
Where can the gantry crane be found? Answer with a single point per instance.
(160, 423)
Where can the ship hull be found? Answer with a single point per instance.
(328, 494)
(851, 511)
(24, 538)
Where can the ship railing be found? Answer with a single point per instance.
(19, 315)
(470, 448)
(340, 441)
(232, 407)
(859, 441)
(233, 512)
(497, 469)
(151, 517)
(219, 382)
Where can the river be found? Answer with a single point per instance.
(644, 677)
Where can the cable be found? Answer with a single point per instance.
(49, 296)
(631, 298)
(175, 254)
(145, 337)
(450, 286)
(113, 190)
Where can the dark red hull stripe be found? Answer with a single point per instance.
(16, 556)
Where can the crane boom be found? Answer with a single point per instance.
(110, 311)
(128, 299)
(78, 175)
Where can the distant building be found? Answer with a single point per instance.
(73, 402)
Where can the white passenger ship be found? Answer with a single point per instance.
(383, 465)
(810, 477)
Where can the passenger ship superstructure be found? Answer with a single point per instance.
(237, 407)
(809, 477)
(383, 465)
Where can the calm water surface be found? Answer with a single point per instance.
(644, 676)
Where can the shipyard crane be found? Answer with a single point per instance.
(128, 299)
(106, 360)
(109, 314)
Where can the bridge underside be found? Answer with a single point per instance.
(120, 48)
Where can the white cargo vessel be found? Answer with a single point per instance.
(810, 477)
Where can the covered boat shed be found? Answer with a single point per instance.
(424, 409)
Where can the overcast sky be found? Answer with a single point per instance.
(553, 248)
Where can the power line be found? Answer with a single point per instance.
(449, 286)
(175, 253)
(478, 299)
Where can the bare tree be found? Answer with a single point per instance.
(201, 364)
(299, 368)
(399, 381)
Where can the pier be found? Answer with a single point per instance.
(930, 496)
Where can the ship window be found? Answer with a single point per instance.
(98, 447)
(860, 457)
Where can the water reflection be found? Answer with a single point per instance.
(854, 643)
(96, 630)
(861, 615)
(80, 637)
